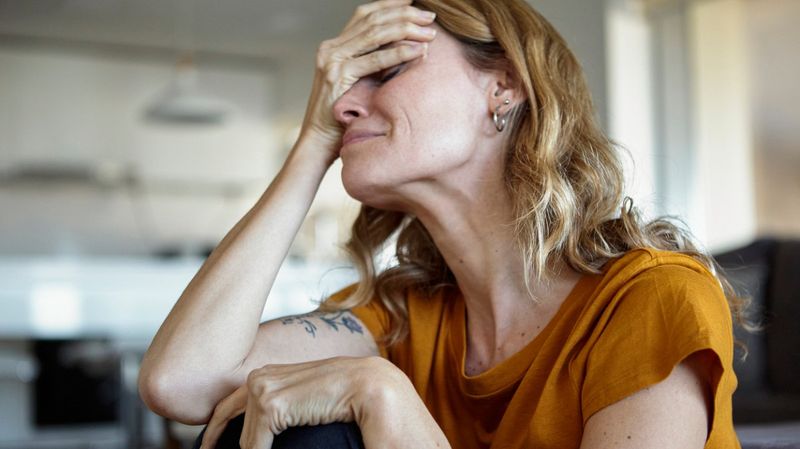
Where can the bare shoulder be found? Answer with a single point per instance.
(311, 336)
(673, 413)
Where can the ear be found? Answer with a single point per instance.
(504, 91)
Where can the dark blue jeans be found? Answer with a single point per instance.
(329, 436)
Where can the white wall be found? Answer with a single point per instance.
(582, 23)
(631, 105)
(723, 214)
(74, 107)
(724, 151)
(91, 106)
(774, 39)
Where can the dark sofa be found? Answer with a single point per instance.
(766, 405)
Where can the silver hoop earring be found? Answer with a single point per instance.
(500, 122)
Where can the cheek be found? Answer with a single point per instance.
(435, 128)
(442, 124)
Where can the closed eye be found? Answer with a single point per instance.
(384, 76)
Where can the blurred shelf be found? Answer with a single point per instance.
(127, 299)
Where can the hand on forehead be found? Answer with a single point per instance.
(400, 42)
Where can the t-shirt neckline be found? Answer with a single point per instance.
(507, 373)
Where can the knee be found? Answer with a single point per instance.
(327, 436)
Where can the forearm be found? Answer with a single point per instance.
(392, 415)
(212, 327)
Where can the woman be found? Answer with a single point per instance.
(529, 306)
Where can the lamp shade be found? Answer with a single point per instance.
(182, 101)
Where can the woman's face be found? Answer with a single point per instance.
(408, 128)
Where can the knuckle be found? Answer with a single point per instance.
(361, 10)
(373, 34)
(372, 18)
(324, 47)
(260, 389)
(400, 52)
(406, 51)
(271, 404)
(410, 12)
(254, 378)
(324, 54)
(322, 62)
(377, 58)
(331, 76)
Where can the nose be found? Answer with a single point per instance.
(352, 104)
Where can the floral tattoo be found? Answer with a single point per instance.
(332, 321)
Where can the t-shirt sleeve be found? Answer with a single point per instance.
(658, 319)
(373, 315)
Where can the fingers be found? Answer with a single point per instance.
(384, 17)
(256, 432)
(363, 55)
(404, 24)
(357, 52)
(283, 396)
(383, 59)
(368, 8)
(378, 36)
(268, 384)
(227, 409)
(211, 436)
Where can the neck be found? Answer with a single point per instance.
(473, 231)
(475, 237)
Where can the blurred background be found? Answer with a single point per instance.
(135, 134)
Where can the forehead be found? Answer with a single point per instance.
(444, 50)
(447, 55)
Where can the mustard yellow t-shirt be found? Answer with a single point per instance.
(615, 334)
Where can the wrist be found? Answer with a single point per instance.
(377, 390)
(307, 159)
(317, 146)
(389, 411)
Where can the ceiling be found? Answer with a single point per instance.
(257, 28)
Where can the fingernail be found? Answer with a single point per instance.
(428, 15)
(429, 31)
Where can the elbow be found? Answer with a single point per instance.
(174, 400)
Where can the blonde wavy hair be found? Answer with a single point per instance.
(564, 173)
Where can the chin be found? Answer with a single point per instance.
(368, 190)
(360, 190)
